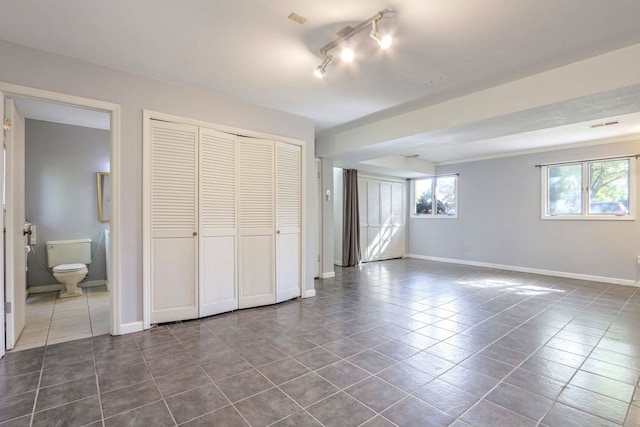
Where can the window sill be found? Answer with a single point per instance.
(589, 217)
(427, 216)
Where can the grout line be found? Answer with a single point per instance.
(95, 371)
(35, 399)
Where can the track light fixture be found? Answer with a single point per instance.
(383, 41)
(347, 53)
(320, 69)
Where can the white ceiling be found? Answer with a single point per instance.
(248, 49)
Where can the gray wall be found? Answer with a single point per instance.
(499, 221)
(32, 68)
(60, 190)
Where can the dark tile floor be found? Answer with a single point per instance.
(403, 342)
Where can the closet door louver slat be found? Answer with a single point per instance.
(217, 180)
(256, 184)
(173, 183)
(288, 186)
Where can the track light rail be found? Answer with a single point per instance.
(353, 32)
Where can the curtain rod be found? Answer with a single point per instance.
(588, 160)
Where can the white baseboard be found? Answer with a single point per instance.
(564, 274)
(58, 286)
(328, 275)
(337, 262)
(309, 293)
(129, 328)
(92, 283)
(45, 288)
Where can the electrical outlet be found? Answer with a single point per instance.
(33, 235)
(638, 262)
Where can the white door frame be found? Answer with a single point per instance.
(8, 89)
(319, 198)
(147, 116)
(14, 217)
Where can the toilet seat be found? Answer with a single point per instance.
(69, 268)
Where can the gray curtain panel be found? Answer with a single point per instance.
(351, 220)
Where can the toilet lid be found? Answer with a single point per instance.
(66, 268)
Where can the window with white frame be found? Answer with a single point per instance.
(593, 189)
(435, 197)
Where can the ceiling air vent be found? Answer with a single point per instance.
(599, 125)
(297, 18)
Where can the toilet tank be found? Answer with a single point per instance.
(68, 252)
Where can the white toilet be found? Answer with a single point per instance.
(69, 260)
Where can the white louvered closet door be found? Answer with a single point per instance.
(173, 212)
(384, 232)
(218, 223)
(374, 234)
(397, 238)
(364, 218)
(256, 261)
(288, 219)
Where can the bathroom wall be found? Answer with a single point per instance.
(61, 192)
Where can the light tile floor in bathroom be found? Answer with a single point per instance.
(50, 320)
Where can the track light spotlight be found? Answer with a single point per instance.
(383, 41)
(347, 53)
(320, 69)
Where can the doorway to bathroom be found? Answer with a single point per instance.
(65, 167)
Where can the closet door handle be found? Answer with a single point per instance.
(195, 233)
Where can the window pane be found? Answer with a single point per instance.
(446, 195)
(609, 187)
(423, 195)
(564, 190)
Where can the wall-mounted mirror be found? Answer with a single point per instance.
(104, 196)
